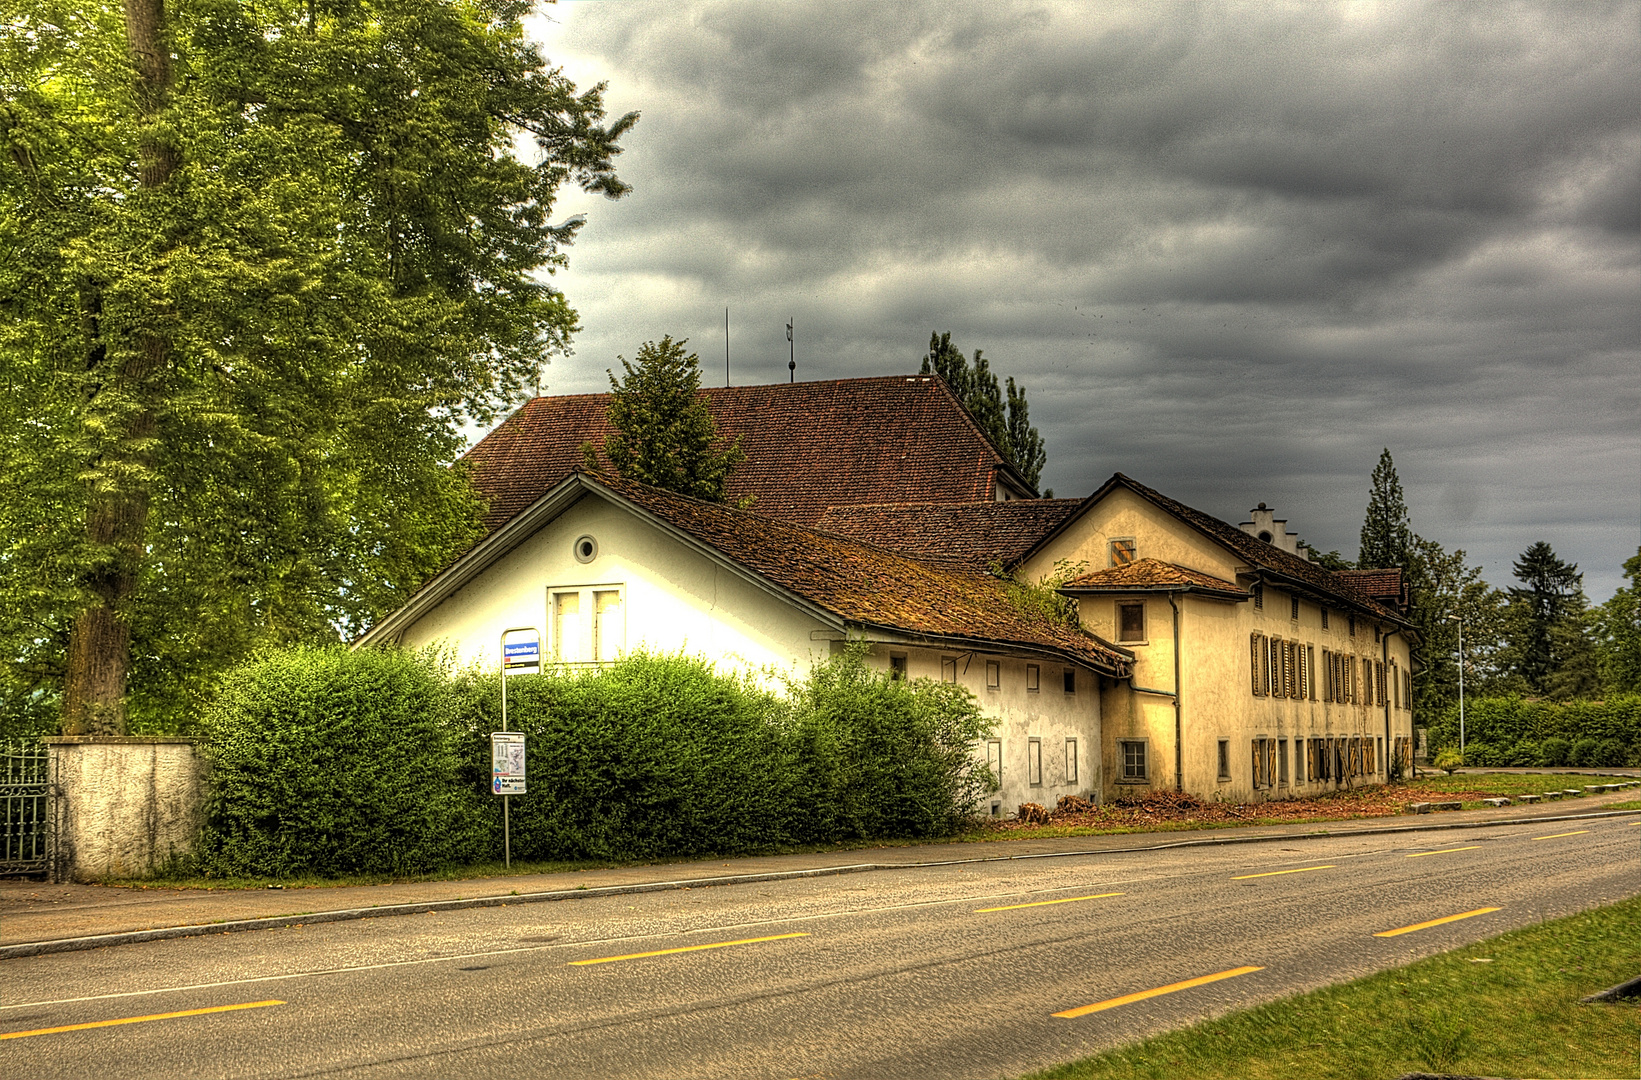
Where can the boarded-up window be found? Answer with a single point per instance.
(1282, 763)
(1122, 551)
(609, 625)
(1034, 762)
(1033, 677)
(994, 761)
(994, 674)
(569, 633)
(1071, 761)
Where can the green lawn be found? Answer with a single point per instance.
(1508, 1006)
(1507, 783)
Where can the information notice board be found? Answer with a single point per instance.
(507, 763)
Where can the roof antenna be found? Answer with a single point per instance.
(792, 350)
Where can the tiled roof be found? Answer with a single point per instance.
(809, 446)
(978, 533)
(1387, 586)
(861, 583)
(1259, 555)
(1144, 575)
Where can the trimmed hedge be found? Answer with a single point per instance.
(326, 761)
(378, 761)
(1513, 731)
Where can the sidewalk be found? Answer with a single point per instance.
(35, 912)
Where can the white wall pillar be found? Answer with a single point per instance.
(125, 806)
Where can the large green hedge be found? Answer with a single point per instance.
(326, 761)
(329, 762)
(1507, 731)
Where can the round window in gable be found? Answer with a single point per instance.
(586, 549)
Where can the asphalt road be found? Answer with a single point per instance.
(954, 971)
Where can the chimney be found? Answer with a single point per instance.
(1273, 530)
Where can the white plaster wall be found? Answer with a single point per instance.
(676, 599)
(1048, 714)
(128, 805)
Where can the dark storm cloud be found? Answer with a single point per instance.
(1232, 251)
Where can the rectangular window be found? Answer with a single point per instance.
(1324, 618)
(1071, 761)
(1295, 606)
(994, 761)
(1260, 779)
(1225, 759)
(609, 625)
(1034, 762)
(1353, 626)
(1306, 688)
(897, 666)
(1259, 595)
(1033, 676)
(569, 635)
(1299, 761)
(1132, 752)
(1122, 551)
(1131, 622)
(948, 669)
(1282, 763)
(1367, 679)
(1254, 652)
(994, 674)
(1379, 678)
(1071, 680)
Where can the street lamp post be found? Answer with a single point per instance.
(1460, 620)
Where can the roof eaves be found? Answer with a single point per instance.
(1004, 647)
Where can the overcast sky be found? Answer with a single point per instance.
(1229, 251)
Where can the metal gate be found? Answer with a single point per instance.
(25, 807)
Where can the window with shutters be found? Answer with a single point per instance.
(1353, 626)
(1310, 666)
(1379, 679)
(1294, 601)
(1255, 664)
(1324, 618)
(1122, 551)
(1259, 595)
(1367, 680)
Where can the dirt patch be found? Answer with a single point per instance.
(1164, 808)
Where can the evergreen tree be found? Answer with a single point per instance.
(261, 263)
(664, 432)
(1387, 535)
(1553, 593)
(1006, 422)
(1618, 634)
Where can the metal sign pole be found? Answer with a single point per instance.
(507, 767)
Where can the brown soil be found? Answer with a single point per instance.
(1169, 807)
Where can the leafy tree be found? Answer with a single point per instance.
(1618, 634)
(664, 432)
(260, 264)
(1442, 584)
(1387, 535)
(1007, 423)
(1553, 594)
(1327, 560)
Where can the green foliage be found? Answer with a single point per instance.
(247, 303)
(1007, 425)
(1449, 760)
(664, 433)
(1327, 560)
(1043, 600)
(1617, 634)
(1549, 610)
(1517, 731)
(1387, 535)
(328, 762)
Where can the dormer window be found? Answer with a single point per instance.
(1122, 551)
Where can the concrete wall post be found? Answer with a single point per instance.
(124, 806)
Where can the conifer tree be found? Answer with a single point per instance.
(664, 432)
(1387, 534)
(1006, 421)
(1552, 596)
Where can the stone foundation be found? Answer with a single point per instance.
(125, 805)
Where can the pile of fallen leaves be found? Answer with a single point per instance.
(1166, 808)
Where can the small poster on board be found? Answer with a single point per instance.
(506, 763)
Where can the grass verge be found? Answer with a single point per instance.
(1508, 783)
(1507, 1006)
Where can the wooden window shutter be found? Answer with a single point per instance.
(1253, 660)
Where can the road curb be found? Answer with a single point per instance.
(166, 933)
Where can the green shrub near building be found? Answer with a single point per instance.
(335, 762)
(1514, 731)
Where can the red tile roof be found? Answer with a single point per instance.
(1386, 586)
(1154, 575)
(1266, 560)
(979, 533)
(809, 446)
(864, 584)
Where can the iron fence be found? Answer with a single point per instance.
(25, 807)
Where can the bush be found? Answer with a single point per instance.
(326, 761)
(1609, 753)
(1584, 753)
(1449, 760)
(1554, 752)
(1508, 721)
(660, 756)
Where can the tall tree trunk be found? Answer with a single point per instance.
(99, 645)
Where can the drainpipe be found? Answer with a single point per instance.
(1390, 697)
(1179, 744)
